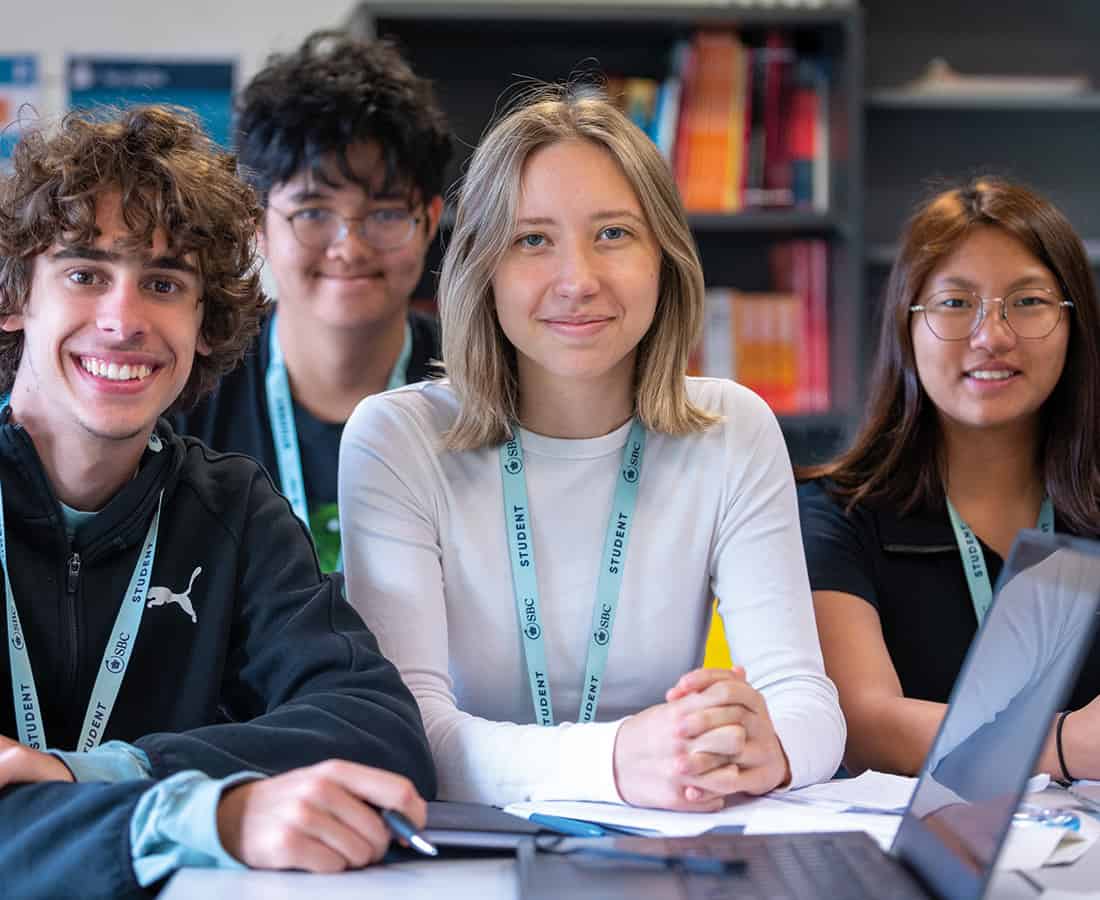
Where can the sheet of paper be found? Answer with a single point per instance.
(657, 821)
(874, 790)
(1029, 846)
(794, 818)
(1074, 843)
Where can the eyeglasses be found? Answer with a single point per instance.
(955, 315)
(382, 229)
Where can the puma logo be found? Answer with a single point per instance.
(161, 596)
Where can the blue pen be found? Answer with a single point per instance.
(401, 827)
(573, 827)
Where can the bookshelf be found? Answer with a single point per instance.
(885, 100)
(915, 143)
(475, 51)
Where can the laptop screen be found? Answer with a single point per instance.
(1016, 677)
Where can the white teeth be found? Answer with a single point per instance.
(990, 375)
(113, 371)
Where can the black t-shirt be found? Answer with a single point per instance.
(909, 569)
(234, 419)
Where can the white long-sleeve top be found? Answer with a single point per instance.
(428, 567)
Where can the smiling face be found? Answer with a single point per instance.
(993, 378)
(110, 333)
(348, 283)
(577, 290)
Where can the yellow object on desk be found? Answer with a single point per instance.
(717, 655)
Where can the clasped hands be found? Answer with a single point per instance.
(711, 738)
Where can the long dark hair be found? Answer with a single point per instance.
(897, 456)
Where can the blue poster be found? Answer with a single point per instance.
(204, 86)
(19, 101)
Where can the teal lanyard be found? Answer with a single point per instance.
(517, 522)
(977, 576)
(116, 657)
(280, 412)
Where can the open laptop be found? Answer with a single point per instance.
(1018, 673)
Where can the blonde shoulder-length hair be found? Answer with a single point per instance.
(478, 358)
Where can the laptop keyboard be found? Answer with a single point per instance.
(838, 867)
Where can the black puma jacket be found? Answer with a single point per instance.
(246, 658)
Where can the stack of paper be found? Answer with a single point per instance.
(874, 802)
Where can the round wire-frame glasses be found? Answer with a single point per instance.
(957, 314)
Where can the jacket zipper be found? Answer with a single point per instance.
(72, 585)
(72, 582)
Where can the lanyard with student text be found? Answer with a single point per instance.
(116, 657)
(517, 522)
(977, 576)
(280, 412)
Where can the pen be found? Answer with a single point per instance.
(402, 828)
(574, 827)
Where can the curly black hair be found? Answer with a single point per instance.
(308, 107)
(170, 176)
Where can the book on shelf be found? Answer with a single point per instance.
(743, 126)
(940, 79)
(776, 342)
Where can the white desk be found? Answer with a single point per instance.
(494, 879)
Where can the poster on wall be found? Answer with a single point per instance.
(203, 85)
(20, 101)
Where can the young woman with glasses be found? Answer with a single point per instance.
(536, 541)
(983, 418)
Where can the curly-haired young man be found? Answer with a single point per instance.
(167, 627)
(346, 148)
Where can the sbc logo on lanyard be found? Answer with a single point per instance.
(513, 462)
(531, 630)
(116, 662)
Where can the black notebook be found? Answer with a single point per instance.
(475, 826)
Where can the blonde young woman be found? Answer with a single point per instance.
(535, 541)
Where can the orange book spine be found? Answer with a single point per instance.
(819, 322)
(738, 130)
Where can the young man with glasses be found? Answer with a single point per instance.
(168, 638)
(346, 148)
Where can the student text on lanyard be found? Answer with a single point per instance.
(116, 657)
(280, 412)
(977, 576)
(517, 523)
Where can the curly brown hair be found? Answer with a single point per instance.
(170, 176)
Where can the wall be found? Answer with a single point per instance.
(246, 29)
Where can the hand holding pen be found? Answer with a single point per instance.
(402, 829)
(325, 818)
